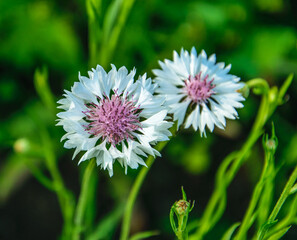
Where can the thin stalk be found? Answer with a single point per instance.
(132, 197)
(246, 223)
(83, 200)
(93, 8)
(283, 196)
(217, 202)
(107, 49)
(92, 44)
(135, 190)
(288, 220)
(64, 196)
(37, 173)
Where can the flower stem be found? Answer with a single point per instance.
(227, 172)
(135, 189)
(83, 200)
(246, 223)
(132, 197)
(284, 195)
(65, 198)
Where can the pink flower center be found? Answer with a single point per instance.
(114, 119)
(198, 89)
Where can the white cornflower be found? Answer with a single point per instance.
(200, 88)
(112, 117)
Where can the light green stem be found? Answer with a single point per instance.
(283, 197)
(227, 172)
(134, 192)
(109, 44)
(246, 223)
(182, 234)
(64, 196)
(132, 197)
(287, 221)
(83, 200)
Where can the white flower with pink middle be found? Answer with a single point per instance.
(113, 117)
(199, 89)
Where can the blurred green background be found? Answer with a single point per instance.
(259, 39)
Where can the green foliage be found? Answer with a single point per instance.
(230, 232)
(144, 235)
(37, 33)
(107, 225)
(43, 46)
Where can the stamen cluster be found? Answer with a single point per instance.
(199, 90)
(114, 119)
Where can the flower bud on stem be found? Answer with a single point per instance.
(181, 209)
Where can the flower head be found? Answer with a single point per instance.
(199, 89)
(113, 117)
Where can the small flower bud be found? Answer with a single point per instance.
(180, 210)
(182, 206)
(271, 144)
(21, 145)
(245, 91)
(26, 147)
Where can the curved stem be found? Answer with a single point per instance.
(65, 198)
(227, 172)
(109, 44)
(284, 195)
(132, 197)
(246, 223)
(83, 200)
(258, 82)
(134, 192)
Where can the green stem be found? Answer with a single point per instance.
(182, 233)
(83, 200)
(246, 223)
(226, 174)
(134, 192)
(132, 197)
(37, 173)
(290, 219)
(258, 83)
(92, 44)
(93, 8)
(64, 196)
(108, 46)
(283, 197)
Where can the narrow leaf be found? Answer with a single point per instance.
(107, 226)
(284, 88)
(144, 235)
(279, 234)
(230, 231)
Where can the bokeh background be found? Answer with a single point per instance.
(258, 37)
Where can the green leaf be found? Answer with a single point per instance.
(106, 227)
(171, 217)
(293, 189)
(93, 9)
(110, 17)
(230, 231)
(279, 234)
(184, 194)
(12, 173)
(284, 88)
(144, 235)
(264, 229)
(43, 89)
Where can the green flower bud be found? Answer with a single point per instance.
(182, 207)
(21, 145)
(180, 210)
